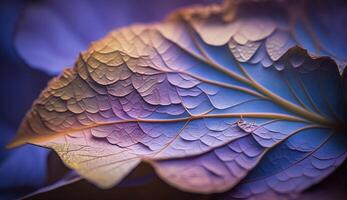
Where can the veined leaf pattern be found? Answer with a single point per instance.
(203, 97)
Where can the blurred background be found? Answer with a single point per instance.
(22, 170)
(37, 40)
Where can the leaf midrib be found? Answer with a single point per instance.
(45, 137)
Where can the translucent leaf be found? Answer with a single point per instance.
(176, 95)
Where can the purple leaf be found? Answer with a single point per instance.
(177, 95)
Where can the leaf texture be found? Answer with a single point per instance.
(204, 97)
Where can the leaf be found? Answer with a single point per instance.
(176, 95)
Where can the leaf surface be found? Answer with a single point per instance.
(176, 95)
